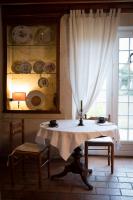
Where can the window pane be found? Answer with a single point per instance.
(123, 82)
(123, 109)
(123, 98)
(104, 86)
(131, 83)
(131, 134)
(98, 109)
(123, 76)
(131, 98)
(123, 122)
(131, 43)
(124, 43)
(99, 106)
(131, 67)
(131, 109)
(130, 92)
(102, 96)
(123, 56)
(124, 68)
(125, 104)
(123, 92)
(131, 122)
(123, 134)
(131, 57)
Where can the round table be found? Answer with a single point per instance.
(67, 136)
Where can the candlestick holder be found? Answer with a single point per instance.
(81, 120)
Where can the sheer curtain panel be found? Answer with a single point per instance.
(91, 40)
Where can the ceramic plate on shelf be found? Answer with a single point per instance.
(23, 67)
(43, 35)
(43, 82)
(21, 34)
(49, 67)
(35, 100)
(39, 67)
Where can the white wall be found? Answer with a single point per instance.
(126, 19)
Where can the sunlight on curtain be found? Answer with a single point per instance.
(91, 40)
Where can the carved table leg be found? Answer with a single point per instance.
(61, 174)
(76, 167)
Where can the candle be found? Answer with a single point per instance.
(81, 106)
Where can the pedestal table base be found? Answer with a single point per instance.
(76, 167)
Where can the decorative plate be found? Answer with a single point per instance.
(35, 100)
(21, 34)
(43, 82)
(23, 67)
(43, 35)
(39, 66)
(49, 67)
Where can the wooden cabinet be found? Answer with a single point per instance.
(31, 62)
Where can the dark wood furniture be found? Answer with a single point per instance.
(41, 153)
(65, 6)
(30, 60)
(101, 142)
(77, 167)
(105, 142)
(67, 138)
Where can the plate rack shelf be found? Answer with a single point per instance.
(31, 63)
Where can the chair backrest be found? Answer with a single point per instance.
(16, 131)
(96, 118)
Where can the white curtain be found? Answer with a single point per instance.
(91, 41)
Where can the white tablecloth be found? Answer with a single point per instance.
(68, 135)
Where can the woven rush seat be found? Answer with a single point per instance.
(99, 140)
(30, 147)
(103, 141)
(18, 153)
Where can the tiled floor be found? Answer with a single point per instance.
(118, 186)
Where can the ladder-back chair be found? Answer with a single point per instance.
(26, 150)
(103, 141)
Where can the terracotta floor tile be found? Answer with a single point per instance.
(125, 179)
(129, 174)
(99, 184)
(96, 197)
(126, 192)
(117, 186)
(120, 185)
(108, 191)
(117, 173)
(109, 178)
(121, 198)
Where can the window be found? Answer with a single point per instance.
(99, 106)
(125, 97)
(116, 95)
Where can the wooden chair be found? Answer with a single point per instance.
(102, 141)
(26, 150)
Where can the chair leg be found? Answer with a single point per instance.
(23, 171)
(11, 170)
(39, 171)
(108, 155)
(48, 162)
(86, 155)
(112, 158)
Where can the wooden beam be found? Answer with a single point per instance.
(126, 7)
(63, 1)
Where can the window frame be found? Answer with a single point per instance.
(123, 32)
